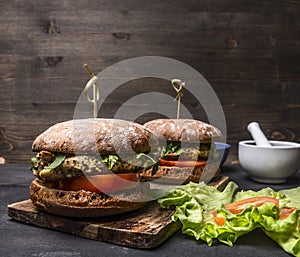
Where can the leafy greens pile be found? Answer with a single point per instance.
(199, 207)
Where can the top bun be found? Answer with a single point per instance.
(104, 136)
(183, 130)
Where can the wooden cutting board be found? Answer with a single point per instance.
(146, 228)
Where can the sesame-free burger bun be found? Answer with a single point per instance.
(105, 136)
(81, 204)
(183, 130)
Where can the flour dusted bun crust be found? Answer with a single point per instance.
(183, 130)
(105, 136)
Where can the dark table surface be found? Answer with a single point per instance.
(18, 239)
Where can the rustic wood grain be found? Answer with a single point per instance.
(247, 50)
(145, 228)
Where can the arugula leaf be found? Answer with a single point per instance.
(154, 169)
(171, 147)
(140, 155)
(34, 161)
(110, 160)
(155, 163)
(59, 159)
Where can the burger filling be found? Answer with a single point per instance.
(188, 151)
(49, 166)
(183, 156)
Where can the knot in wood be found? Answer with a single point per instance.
(233, 42)
(121, 35)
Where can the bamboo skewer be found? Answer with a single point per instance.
(178, 87)
(96, 89)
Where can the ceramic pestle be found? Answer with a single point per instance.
(257, 134)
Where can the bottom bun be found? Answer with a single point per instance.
(174, 174)
(81, 204)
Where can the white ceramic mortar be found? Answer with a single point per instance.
(269, 164)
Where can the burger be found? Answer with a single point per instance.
(189, 152)
(90, 167)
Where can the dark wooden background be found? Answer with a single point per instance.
(249, 52)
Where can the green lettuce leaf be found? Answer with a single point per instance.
(195, 202)
(293, 197)
(286, 232)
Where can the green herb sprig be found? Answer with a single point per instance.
(110, 160)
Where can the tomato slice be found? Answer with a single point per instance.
(102, 183)
(219, 220)
(285, 212)
(238, 206)
(164, 162)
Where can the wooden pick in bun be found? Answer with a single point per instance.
(189, 153)
(80, 170)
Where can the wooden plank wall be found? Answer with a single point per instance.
(249, 52)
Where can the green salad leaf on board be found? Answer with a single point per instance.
(199, 205)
